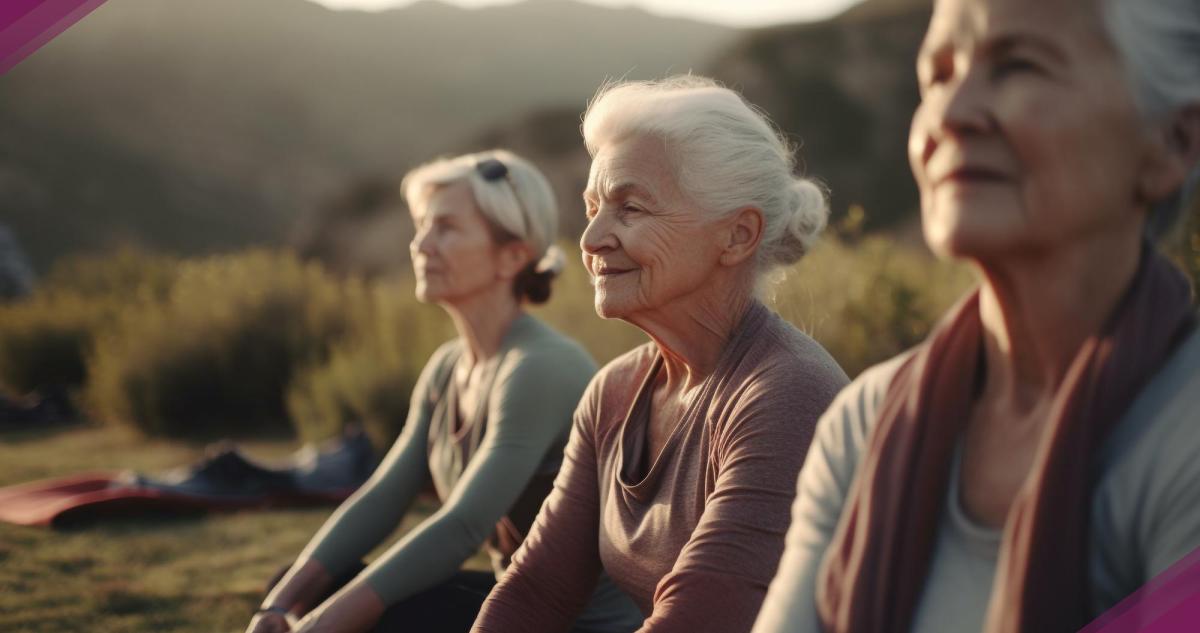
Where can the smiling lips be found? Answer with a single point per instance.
(610, 271)
(970, 175)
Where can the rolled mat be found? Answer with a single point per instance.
(224, 480)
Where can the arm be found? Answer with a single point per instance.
(529, 408)
(821, 492)
(721, 575)
(369, 515)
(555, 570)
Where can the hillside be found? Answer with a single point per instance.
(200, 126)
(844, 89)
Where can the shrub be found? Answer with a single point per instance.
(869, 299)
(370, 375)
(45, 338)
(43, 342)
(215, 356)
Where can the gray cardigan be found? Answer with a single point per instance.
(1145, 507)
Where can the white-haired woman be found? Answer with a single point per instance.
(489, 417)
(1035, 460)
(679, 472)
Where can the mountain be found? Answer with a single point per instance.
(200, 126)
(843, 90)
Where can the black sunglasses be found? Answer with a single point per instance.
(491, 169)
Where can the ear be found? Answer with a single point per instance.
(1175, 153)
(743, 232)
(511, 258)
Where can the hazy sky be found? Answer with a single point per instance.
(732, 12)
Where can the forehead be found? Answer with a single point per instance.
(637, 162)
(965, 23)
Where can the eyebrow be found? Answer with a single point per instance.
(1007, 42)
(620, 190)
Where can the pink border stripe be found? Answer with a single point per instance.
(1169, 603)
(34, 27)
(13, 10)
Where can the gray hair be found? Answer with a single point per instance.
(521, 203)
(725, 152)
(1159, 41)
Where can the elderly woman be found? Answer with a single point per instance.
(1035, 460)
(489, 417)
(676, 477)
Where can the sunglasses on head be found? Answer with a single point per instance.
(491, 169)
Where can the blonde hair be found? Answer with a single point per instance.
(521, 203)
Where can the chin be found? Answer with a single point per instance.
(959, 235)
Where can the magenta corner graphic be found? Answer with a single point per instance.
(1170, 603)
(26, 25)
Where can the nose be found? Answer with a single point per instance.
(958, 106)
(422, 242)
(598, 237)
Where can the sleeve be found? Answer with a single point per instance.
(1173, 532)
(555, 570)
(721, 575)
(821, 493)
(529, 409)
(376, 508)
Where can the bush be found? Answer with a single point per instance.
(43, 343)
(370, 376)
(868, 300)
(45, 339)
(215, 356)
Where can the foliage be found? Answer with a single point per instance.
(251, 343)
(45, 339)
(217, 354)
(867, 299)
(370, 374)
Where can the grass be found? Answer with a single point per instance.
(197, 574)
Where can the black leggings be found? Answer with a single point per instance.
(450, 607)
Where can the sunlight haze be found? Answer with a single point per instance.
(740, 13)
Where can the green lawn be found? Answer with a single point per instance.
(202, 574)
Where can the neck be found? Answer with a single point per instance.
(1037, 310)
(692, 332)
(482, 320)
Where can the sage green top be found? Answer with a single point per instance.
(1145, 512)
(491, 468)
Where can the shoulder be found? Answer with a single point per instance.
(539, 353)
(625, 373)
(840, 441)
(783, 374)
(843, 429)
(1147, 500)
(798, 359)
(439, 364)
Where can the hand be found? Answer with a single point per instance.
(355, 609)
(269, 622)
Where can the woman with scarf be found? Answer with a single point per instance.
(1034, 461)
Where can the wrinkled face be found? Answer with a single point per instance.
(1027, 136)
(646, 245)
(454, 253)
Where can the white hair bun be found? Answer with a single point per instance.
(809, 213)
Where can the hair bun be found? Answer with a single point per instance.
(809, 213)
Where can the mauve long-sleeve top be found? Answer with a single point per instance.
(695, 538)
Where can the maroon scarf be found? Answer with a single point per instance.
(877, 563)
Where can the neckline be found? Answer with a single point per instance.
(478, 417)
(983, 540)
(742, 336)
